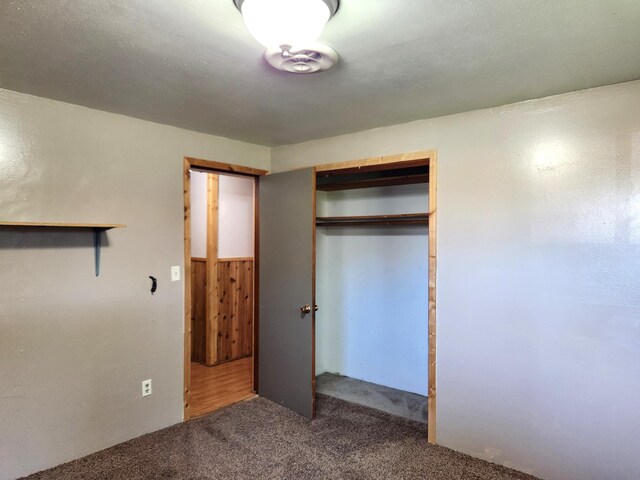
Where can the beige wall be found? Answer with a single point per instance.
(538, 277)
(74, 348)
(235, 216)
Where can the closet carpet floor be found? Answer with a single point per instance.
(258, 439)
(396, 402)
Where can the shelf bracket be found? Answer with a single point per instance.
(97, 244)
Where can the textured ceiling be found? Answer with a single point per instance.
(192, 64)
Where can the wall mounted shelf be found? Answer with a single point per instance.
(374, 220)
(96, 228)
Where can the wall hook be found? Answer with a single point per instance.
(154, 284)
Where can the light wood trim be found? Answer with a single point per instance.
(186, 400)
(236, 259)
(198, 259)
(433, 215)
(366, 162)
(212, 303)
(100, 226)
(210, 165)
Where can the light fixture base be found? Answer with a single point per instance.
(311, 58)
(332, 4)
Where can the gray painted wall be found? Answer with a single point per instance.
(538, 277)
(74, 348)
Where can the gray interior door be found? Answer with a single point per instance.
(287, 283)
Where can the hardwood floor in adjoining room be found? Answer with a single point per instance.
(220, 385)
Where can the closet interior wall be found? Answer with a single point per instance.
(372, 283)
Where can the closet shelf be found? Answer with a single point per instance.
(374, 220)
(375, 182)
(96, 228)
(381, 176)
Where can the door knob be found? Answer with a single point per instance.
(305, 309)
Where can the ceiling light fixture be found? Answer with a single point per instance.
(289, 29)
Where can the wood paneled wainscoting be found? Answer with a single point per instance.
(234, 316)
(198, 309)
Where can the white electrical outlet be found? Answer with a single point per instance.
(146, 388)
(175, 273)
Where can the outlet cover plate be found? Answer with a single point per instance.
(146, 388)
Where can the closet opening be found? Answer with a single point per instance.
(220, 285)
(373, 250)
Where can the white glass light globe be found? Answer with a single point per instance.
(285, 22)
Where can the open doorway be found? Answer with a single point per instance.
(220, 286)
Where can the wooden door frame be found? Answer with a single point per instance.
(209, 166)
(431, 157)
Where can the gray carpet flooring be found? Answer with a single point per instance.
(258, 439)
(396, 402)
